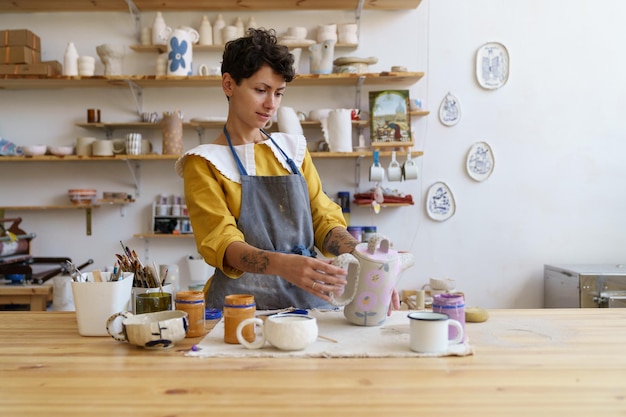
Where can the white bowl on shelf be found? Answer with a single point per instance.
(34, 150)
(61, 150)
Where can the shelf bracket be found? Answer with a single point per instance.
(357, 101)
(357, 18)
(200, 131)
(135, 173)
(357, 173)
(135, 14)
(137, 93)
(88, 220)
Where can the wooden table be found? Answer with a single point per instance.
(569, 362)
(36, 296)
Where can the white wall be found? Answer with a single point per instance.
(554, 197)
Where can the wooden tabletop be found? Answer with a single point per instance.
(569, 362)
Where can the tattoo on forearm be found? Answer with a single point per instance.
(256, 262)
(339, 241)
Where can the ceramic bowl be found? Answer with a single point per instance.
(34, 150)
(61, 150)
(81, 196)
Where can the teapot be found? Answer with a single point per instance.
(321, 58)
(371, 284)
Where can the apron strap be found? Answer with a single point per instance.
(289, 161)
(242, 169)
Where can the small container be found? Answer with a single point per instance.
(368, 231)
(356, 232)
(454, 306)
(192, 302)
(237, 308)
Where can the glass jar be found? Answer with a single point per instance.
(237, 308)
(192, 302)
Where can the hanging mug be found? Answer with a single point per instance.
(394, 171)
(180, 51)
(377, 172)
(409, 168)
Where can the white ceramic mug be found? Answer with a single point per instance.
(409, 169)
(133, 143)
(119, 146)
(84, 146)
(377, 173)
(102, 147)
(394, 171)
(160, 330)
(86, 66)
(428, 332)
(283, 331)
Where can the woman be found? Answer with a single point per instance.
(255, 201)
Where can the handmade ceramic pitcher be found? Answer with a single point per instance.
(180, 51)
(380, 268)
(321, 57)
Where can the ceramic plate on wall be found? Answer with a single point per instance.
(440, 204)
(492, 65)
(480, 161)
(450, 110)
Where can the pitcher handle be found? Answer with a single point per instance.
(378, 241)
(350, 263)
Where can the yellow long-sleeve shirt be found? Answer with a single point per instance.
(213, 192)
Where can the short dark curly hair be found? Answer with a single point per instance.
(244, 56)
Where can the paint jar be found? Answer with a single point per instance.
(237, 308)
(192, 302)
(368, 231)
(452, 305)
(356, 232)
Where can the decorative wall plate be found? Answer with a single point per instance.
(480, 161)
(440, 204)
(492, 65)
(450, 110)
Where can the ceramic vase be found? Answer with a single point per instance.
(239, 26)
(321, 57)
(160, 31)
(339, 126)
(205, 31)
(288, 121)
(218, 25)
(172, 129)
(70, 60)
(180, 51)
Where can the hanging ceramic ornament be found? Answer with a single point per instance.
(480, 161)
(492, 65)
(450, 110)
(440, 204)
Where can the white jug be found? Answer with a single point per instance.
(288, 121)
(322, 57)
(180, 51)
(339, 130)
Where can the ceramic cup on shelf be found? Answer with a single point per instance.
(86, 66)
(133, 143)
(84, 146)
(119, 146)
(102, 147)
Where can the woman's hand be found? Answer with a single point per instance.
(317, 277)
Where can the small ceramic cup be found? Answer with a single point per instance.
(394, 171)
(133, 143)
(84, 146)
(377, 173)
(102, 147)
(428, 332)
(283, 331)
(409, 169)
(152, 330)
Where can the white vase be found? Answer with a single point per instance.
(70, 60)
(160, 31)
(251, 23)
(321, 57)
(297, 53)
(217, 30)
(180, 51)
(288, 121)
(239, 26)
(205, 31)
(340, 130)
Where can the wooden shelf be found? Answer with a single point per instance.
(220, 48)
(29, 6)
(384, 205)
(364, 154)
(14, 82)
(53, 158)
(162, 236)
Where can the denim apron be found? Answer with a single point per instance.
(276, 216)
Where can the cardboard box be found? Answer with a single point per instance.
(20, 37)
(19, 55)
(47, 68)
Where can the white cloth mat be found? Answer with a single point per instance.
(390, 340)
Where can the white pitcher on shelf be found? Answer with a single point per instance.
(180, 51)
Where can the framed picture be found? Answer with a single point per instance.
(390, 122)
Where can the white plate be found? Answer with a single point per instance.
(440, 204)
(480, 161)
(492, 65)
(450, 110)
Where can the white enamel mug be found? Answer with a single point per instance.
(428, 332)
(409, 169)
(394, 170)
